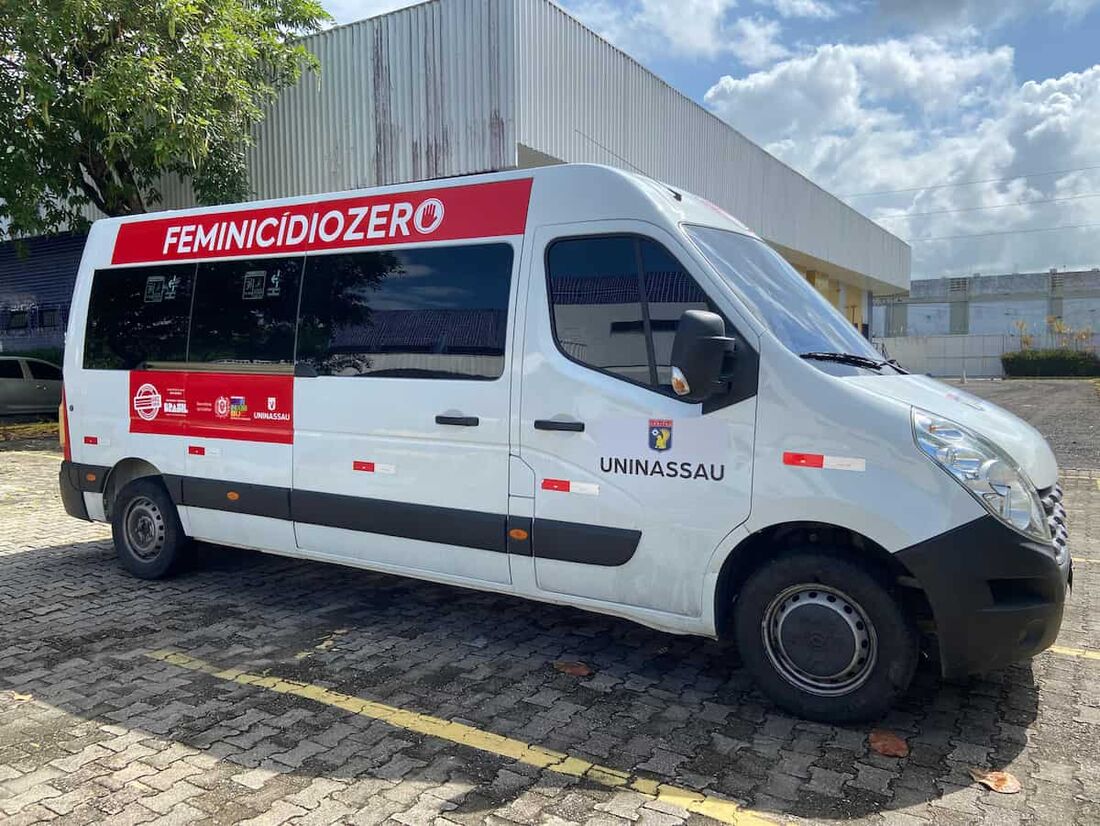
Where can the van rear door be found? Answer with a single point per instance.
(402, 409)
(634, 488)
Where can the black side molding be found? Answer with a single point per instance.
(588, 544)
(428, 523)
(545, 538)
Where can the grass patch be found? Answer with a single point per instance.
(30, 430)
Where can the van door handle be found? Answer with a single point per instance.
(458, 421)
(555, 424)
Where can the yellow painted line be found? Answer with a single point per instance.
(1066, 651)
(720, 809)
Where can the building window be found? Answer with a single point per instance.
(138, 317)
(244, 312)
(18, 320)
(439, 312)
(616, 303)
(48, 319)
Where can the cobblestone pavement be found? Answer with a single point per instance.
(271, 726)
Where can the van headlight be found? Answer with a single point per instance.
(990, 474)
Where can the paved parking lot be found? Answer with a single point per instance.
(259, 689)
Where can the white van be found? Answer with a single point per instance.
(573, 384)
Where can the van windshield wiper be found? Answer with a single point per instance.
(848, 358)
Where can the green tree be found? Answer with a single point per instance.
(100, 98)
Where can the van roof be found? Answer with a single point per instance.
(562, 193)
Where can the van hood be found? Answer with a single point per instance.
(1012, 434)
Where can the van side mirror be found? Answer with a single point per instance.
(698, 353)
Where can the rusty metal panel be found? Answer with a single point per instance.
(582, 100)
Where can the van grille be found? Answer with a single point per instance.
(1056, 519)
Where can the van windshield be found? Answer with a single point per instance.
(799, 316)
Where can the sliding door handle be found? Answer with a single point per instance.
(555, 424)
(458, 421)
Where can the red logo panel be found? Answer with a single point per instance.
(441, 214)
(215, 405)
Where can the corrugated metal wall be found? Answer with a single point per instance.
(423, 93)
(580, 99)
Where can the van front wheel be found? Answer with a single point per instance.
(824, 638)
(149, 539)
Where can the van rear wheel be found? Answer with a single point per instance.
(824, 638)
(149, 539)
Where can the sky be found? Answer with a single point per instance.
(892, 104)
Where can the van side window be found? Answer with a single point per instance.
(669, 291)
(138, 315)
(439, 312)
(596, 304)
(245, 312)
(616, 303)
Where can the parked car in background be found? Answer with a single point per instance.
(28, 386)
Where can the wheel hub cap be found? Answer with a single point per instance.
(145, 532)
(819, 639)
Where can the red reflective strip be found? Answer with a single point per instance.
(804, 459)
(196, 450)
(63, 433)
(561, 485)
(367, 467)
(91, 440)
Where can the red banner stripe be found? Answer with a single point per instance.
(439, 214)
(804, 459)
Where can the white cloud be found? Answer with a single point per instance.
(907, 113)
(813, 9)
(755, 41)
(689, 28)
(984, 14)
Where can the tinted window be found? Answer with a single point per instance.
(596, 304)
(669, 291)
(601, 316)
(245, 312)
(138, 316)
(43, 371)
(10, 369)
(429, 313)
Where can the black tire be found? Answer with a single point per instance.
(850, 649)
(149, 539)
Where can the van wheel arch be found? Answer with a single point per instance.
(121, 475)
(775, 540)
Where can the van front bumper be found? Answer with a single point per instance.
(996, 596)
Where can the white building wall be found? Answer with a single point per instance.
(1000, 316)
(928, 319)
